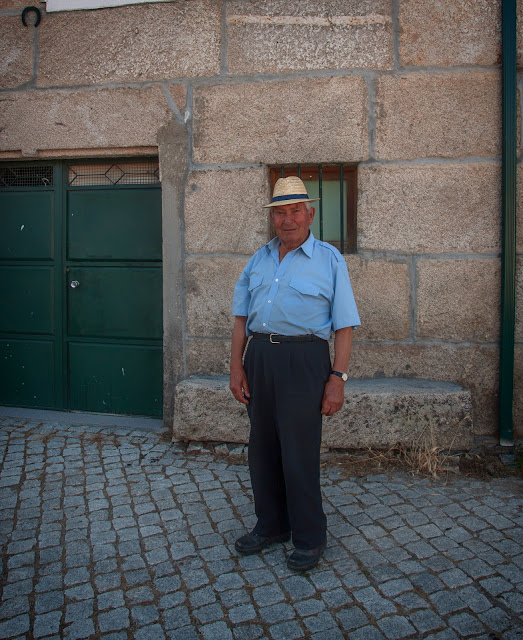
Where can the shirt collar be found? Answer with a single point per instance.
(307, 247)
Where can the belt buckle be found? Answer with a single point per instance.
(271, 340)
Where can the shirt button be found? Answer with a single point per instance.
(269, 301)
(264, 324)
(276, 280)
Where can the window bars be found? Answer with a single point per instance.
(83, 174)
(113, 173)
(336, 186)
(23, 176)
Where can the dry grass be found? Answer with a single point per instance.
(419, 459)
(423, 456)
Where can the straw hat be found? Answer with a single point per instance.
(288, 191)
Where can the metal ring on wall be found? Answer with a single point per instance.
(38, 15)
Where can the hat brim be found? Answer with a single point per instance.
(291, 200)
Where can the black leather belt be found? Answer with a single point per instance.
(276, 338)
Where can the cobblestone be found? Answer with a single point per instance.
(116, 533)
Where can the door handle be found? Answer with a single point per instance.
(74, 284)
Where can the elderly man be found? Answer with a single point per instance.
(292, 293)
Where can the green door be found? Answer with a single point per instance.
(81, 285)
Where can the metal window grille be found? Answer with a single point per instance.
(113, 173)
(24, 176)
(336, 186)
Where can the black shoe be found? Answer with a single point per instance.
(252, 542)
(304, 559)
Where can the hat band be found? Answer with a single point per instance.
(293, 196)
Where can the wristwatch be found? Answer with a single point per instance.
(343, 376)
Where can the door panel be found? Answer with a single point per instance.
(114, 314)
(26, 225)
(27, 373)
(29, 292)
(118, 224)
(116, 378)
(115, 302)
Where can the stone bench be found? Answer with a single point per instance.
(377, 413)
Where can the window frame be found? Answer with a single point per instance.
(328, 172)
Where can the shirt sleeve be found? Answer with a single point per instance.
(344, 311)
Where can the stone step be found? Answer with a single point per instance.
(377, 413)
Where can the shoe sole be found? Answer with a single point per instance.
(306, 567)
(250, 552)
(303, 568)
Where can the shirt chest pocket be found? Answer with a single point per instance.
(305, 287)
(255, 281)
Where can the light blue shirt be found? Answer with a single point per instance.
(308, 292)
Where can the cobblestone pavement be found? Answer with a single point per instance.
(120, 534)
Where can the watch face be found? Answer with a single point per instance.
(344, 377)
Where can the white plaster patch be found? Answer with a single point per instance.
(73, 5)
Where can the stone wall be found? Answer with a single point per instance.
(408, 89)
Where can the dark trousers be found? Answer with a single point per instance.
(286, 383)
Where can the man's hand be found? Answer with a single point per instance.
(239, 386)
(332, 396)
(238, 380)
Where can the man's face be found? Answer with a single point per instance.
(292, 222)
